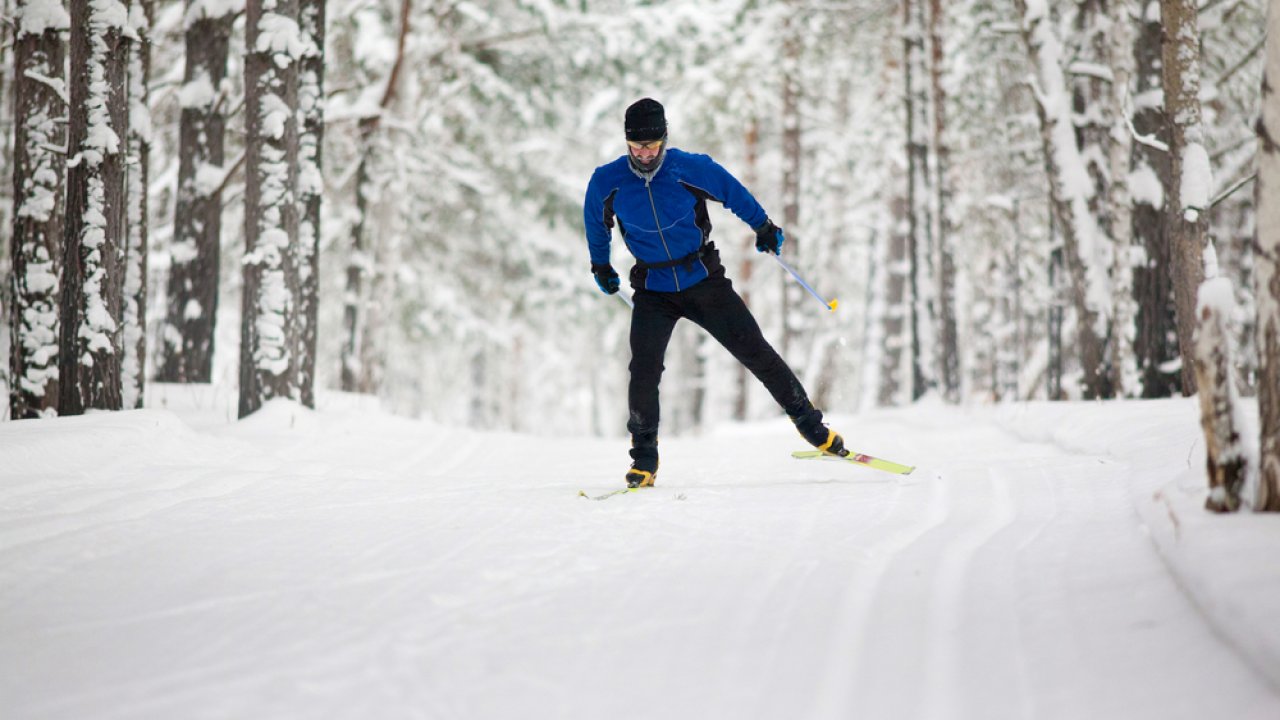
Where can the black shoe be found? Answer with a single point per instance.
(642, 472)
(820, 436)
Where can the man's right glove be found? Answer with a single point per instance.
(769, 238)
(606, 278)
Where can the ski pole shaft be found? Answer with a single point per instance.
(624, 298)
(830, 305)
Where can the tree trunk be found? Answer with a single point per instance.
(36, 247)
(1070, 190)
(1124, 313)
(919, 220)
(897, 306)
(310, 189)
(269, 325)
(195, 254)
(1267, 270)
(89, 355)
(1215, 375)
(1156, 339)
(948, 346)
(134, 360)
(354, 375)
(1189, 180)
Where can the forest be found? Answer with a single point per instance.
(1011, 200)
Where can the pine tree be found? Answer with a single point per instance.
(90, 350)
(134, 297)
(269, 321)
(192, 297)
(311, 16)
(40, 103)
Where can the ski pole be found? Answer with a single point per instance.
(624, 298)
(830, 305)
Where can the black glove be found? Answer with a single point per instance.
(769, 238)
(606, 278)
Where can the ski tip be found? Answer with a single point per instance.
(832, 305)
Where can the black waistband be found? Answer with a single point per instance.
(687, 260)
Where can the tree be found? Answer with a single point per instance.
(1267, 269)
(311, 18)
(90, 349)
(269, 324)
(1189, 171)
(134, 334)
(948, 346)
(1156, 336)
(919, 199)
(40, 103)
(192, 304)
(1070, 189)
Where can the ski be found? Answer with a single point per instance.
(606, 496)
(857, 459)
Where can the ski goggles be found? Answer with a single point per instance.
(646, 144)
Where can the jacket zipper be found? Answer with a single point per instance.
(658, 224)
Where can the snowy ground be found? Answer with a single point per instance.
(1045, 561)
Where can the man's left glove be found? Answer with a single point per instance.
(769, 238)
(606, 278)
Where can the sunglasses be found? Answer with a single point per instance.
(646, 145)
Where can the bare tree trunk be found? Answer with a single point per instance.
(195, 254)
(1068, 191)
(1189, 171)
(269, 325)
(1267, 270)
(36, 248)
(310, 189)
(89, 355)
(948, 345)
(1156, 339)
(134, 360)
(1215, 375)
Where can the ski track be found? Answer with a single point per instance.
(454, 581)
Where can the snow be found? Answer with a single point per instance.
(1046, 560)
(39, 16)
(1197, 181)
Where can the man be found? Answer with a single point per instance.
(658, 198)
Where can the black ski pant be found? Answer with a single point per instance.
(717, 308)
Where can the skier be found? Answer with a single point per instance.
(658, 197)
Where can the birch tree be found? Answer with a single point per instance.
(1267, 269)
(134, 298)
(1190, 174)
(269, 321)
(195, 252)
(89, 353)
(40, 107)
(1070, 190)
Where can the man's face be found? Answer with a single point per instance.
(646, 152)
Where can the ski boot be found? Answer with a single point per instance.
(644, 460)
(817, 434)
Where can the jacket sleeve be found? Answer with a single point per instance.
(726, 188)
(598, 227)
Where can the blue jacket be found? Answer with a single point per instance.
(664, 220)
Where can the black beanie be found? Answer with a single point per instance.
(646, 120)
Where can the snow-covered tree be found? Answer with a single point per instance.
(311, 22)
(89, 361)
(1267, 269)
(195, 249)
(1190, 173)
(269, 320)
(40, 107)
(137, 216)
